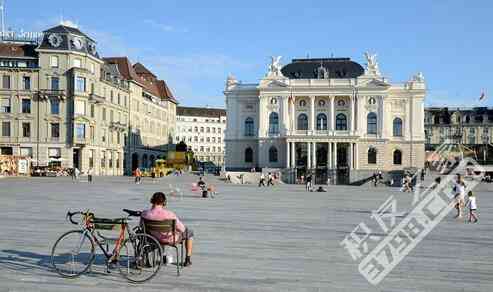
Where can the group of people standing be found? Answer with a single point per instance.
(459, 190)
(270, 180)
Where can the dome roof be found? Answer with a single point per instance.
(309, 68)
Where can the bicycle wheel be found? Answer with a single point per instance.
(73, 253)
(140, 258)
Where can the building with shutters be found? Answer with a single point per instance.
(63, 105)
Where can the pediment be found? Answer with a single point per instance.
(276, 83)
(375, 83)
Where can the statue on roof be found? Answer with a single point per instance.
(371, 64)
(231, 81)
(419, 77)
(275, 66)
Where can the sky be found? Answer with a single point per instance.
(194, 45)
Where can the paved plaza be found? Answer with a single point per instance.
(246, 238)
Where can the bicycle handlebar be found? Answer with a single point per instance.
(132, 213)
(71, 214)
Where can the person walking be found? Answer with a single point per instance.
(473, 206)
(76, 174)
(89, 175)
(308, 182)
(261, 182)
(138, 176)
(460, 193)
(270, 180)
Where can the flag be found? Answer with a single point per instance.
(482, 96)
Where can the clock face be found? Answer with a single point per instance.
(92, 48)
(77, 43)
(55, 40)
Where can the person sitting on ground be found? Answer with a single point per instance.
(158, 212)
(321, 189)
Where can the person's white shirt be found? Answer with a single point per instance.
(472, 203)
(460, 190)
(262, 176)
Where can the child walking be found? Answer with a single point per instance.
(472, 204)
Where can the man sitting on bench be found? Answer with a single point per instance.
(158, 212)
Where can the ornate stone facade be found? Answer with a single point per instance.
(326, 114)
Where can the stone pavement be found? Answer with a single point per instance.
(247, 239)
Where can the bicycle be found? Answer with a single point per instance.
(138, 257)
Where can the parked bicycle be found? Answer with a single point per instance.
(138, 256)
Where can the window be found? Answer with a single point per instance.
(397, 157)
(54, 61)
(111, 96)
(196, 129)
(55, 83)
(5, 129)
(55, 130)
(26, 130)
(104, 114)
(249, 127)
(77, 63)
(302, 103)
(5, 105)
(92, 132)
(80, 131)
(80, 84)
(302, 122)
(119, 99)
(26, 106)
(92, 110)
(27, 151)
(80, 107)
(248, 155)
(273, 100)
(372, 155)
(91, 158)
(103, 159)
(55, 106)
(397, 127)
(208, 139)
(111, 116)
(6, 82)
(321, 121)
(92, 68)
(201, 129)
(371, 123)
(372, 100)
(341, 122)
(26, 83)
(272, 154)
(273, 123)
(208, 130)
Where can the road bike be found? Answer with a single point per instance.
(137, 255)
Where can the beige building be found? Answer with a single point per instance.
(62, 104)
(471, 127)
(202, 129)
(330, 116)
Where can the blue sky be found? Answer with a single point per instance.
(193, 45)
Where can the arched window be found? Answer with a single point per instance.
(248, 155)
(397, 157)
(302, 122)
(321, 121)
(272, 154)
(249, 129)
(397, 127)
(273, 123)
(341, 122)
(371, 121)
(372, 155)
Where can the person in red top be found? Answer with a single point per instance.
(159, 212)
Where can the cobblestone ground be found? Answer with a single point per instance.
(247, 239)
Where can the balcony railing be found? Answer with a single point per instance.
(47, 93)
(96, 98)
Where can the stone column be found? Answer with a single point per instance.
(351, 121)
(292, 119)
(332, 115)
(334, 162)
(309, 155)
(312, 113)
